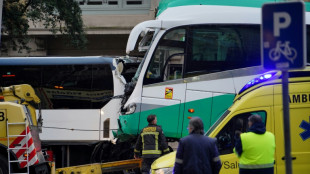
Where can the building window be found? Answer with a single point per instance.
(115, 6)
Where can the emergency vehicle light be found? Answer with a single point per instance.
(262, 78)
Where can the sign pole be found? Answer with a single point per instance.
(284, 48)
(286, 122)
(1, 10)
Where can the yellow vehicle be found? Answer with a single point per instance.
(263, 95)
(127, 166)
(20, 147)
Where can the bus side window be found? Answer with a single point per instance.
(225, 138)
(168, 58)
(216, 48)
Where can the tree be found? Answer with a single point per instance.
(63, 16)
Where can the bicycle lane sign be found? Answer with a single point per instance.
(283, 35)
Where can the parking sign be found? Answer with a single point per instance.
(283, 35)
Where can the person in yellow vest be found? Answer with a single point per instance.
(255, 148)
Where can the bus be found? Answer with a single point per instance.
(77, 96)
(199, 55)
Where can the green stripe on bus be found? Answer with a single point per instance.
(174, 123)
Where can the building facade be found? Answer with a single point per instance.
(107, 25)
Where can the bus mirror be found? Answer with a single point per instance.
(120, 67)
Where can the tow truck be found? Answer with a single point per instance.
(20, 145)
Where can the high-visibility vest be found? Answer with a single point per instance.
(152, 142)
(257, 150)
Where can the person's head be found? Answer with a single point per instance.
(195, 126)
(151, 119)
(254, 118)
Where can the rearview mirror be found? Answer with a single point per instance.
(120, 67)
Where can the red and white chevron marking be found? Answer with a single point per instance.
(20, 142)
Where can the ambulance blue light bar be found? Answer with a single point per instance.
(260, 79)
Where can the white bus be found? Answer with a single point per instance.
(198, 56)
(74, 92)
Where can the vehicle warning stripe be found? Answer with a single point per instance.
(19, 139)
(22, 151)
(22, 142)
(32, 159)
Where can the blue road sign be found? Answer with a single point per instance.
(283, 35)
(306, 133)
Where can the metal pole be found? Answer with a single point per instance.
(63, 156)
(68, 155)
(286, 121)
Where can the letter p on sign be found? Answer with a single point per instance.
(281, 20)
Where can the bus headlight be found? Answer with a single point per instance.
(164, 171)
(131, 108)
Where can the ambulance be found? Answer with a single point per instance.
(263, 96)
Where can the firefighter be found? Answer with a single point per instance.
(255, 149)
(152, 143)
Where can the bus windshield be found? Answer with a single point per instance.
(144, 45)
(137, 74)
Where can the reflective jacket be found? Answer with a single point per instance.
(256, 148)
(152, 142)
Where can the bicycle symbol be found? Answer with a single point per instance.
(284, 49)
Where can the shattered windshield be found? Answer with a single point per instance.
(149, 43)
(146, 41)
(135, 78)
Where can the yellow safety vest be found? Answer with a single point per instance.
(257, 150)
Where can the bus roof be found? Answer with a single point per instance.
(164, 4)
(198, 14)
(55, 60)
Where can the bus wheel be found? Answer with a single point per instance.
(3, 165)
